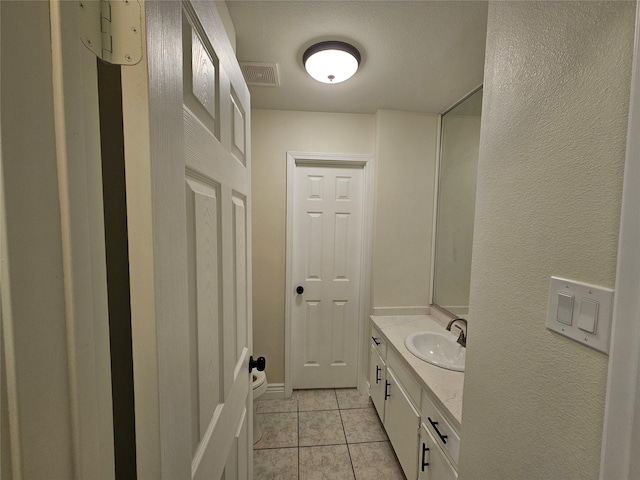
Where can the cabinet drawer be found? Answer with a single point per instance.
(409, 384)
(440, 429)
(378, 342)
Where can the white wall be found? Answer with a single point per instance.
(406, 158)
(556, 95)
(404, 146)
(274, 132)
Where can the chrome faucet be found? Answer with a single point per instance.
(462, 338)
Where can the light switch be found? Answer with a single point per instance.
(580, 311)
(565, 308)
(588, 319)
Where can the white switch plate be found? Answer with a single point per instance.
(604, 296)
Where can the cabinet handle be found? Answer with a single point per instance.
(386, 389)
(378, 370)
(424, 452)
(375, 340)
(435, 427)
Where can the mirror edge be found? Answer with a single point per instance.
(441, 311)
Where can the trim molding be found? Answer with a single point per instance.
(77, 134)
(393, 311)
(367, 163)
(621, 431)
(434, 221)
(275, 391)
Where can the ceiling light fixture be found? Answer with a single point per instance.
(331, 62)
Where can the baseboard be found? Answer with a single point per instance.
(275, 391)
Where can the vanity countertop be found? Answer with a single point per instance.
(444, 385)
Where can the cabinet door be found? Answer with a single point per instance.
(376, 381)
(402, 422)
(433, 464)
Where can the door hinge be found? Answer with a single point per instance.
(111, 29)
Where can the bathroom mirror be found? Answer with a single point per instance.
(455, 204)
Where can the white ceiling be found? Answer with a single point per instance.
(418, 56)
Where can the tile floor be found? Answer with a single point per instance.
(323, 434)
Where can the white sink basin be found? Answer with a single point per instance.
(438, 349)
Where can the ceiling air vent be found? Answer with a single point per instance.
(261, 74)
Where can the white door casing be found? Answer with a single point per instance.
(186, 129)
(328, 197)
(621, 429)
(54, 292)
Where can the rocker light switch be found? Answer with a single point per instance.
(565, 308)
(588, 319)
(581, 312)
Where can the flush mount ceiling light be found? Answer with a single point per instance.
(331, 62)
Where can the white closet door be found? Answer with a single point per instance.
(327, 246)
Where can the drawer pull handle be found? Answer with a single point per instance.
(375, 340)
(424, 451)
(378, 370)
(386, 389)
(435, 427)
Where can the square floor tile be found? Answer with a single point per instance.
(277, 406)
(375, 460)
(351, 398)
(362, 425)
(275, 463)
(321, 428)
(309, 400)
(278, 430)
(325, 463)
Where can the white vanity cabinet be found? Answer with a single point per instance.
(378, 342)
(441, 430)
(423, 439)
(402, 422)
(377, 371)
(433, 465)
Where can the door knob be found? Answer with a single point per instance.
(259, 363)
(299, 289)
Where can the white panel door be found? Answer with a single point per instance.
(327, 246)
(186, 122)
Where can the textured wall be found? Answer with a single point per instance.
(405, 155)
(549, 183)
(274, 132)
